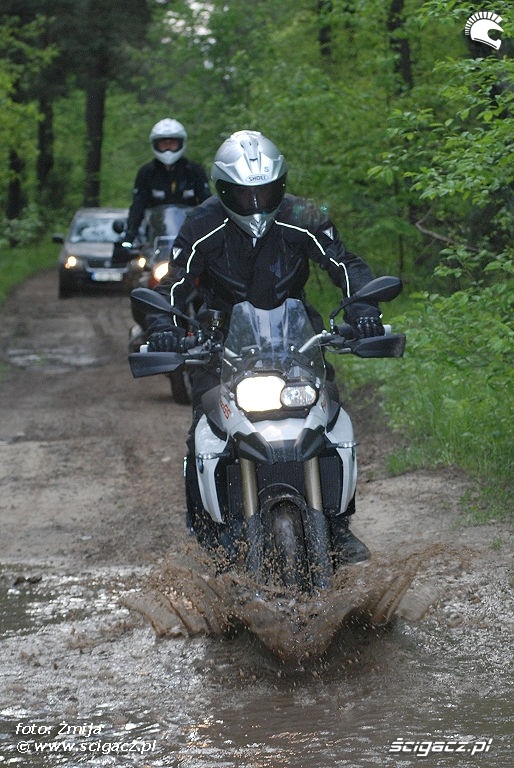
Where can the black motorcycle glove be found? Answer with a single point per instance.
(368, 326)
(165, 341)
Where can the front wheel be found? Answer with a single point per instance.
(288, 546)
(288, 555)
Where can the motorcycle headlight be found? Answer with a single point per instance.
(160, 270)
(259, 393)
(269, 393)
(298, 396)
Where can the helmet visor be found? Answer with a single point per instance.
(172, 143)
(246, 201)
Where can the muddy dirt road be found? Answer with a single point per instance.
(92, 502)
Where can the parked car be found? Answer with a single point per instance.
(86, 256)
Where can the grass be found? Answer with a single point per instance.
(455, 400)
(16, 264)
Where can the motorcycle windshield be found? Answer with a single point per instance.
(165, 220)
(262, 340)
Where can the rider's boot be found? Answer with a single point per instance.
(348, 548)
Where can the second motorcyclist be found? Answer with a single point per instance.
(170, 178)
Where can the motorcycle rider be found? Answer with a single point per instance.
(254, 242)
(170, 178)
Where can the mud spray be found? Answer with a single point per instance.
(185, 596)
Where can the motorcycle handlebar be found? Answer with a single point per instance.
(196, 350)
(346, 331)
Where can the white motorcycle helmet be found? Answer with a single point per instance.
(168, 129)
(249, 174)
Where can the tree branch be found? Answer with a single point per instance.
(441, 238)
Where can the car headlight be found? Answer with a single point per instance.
(160, 270)
(270, 393)
(71, 262)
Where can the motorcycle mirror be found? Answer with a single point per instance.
(145, 298)
(119, 226)
(385, 288)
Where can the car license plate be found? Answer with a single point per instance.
(107, 276)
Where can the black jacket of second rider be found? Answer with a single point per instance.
(227, 266)
(184, 183)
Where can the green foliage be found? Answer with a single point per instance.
(16, 264)
(19, 61)
(451, 158)
(21, 231)
(453, 398)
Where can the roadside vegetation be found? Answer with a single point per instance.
(20, 261)
(390, 117)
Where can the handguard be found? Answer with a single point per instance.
(390, 345)
(152, 363)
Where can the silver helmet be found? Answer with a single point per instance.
(168, 129)
(249, 174)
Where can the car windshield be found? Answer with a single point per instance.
(93, 231)
(265, 340)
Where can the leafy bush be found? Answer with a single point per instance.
(23, 230)
(453, 397)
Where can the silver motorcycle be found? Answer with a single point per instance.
(274, 467)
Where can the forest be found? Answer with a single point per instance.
(390, 116)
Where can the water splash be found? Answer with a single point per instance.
(186, 597)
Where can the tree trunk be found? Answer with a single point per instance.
(16, 199)
(95, 112)
(45, 159)
(399, 44)
(325, 30)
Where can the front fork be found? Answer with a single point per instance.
(249, 484)
(316, 535)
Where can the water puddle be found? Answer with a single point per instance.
(85, 681)
(54, 360)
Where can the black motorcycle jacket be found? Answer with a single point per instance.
(227, 266)
(184, 183)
